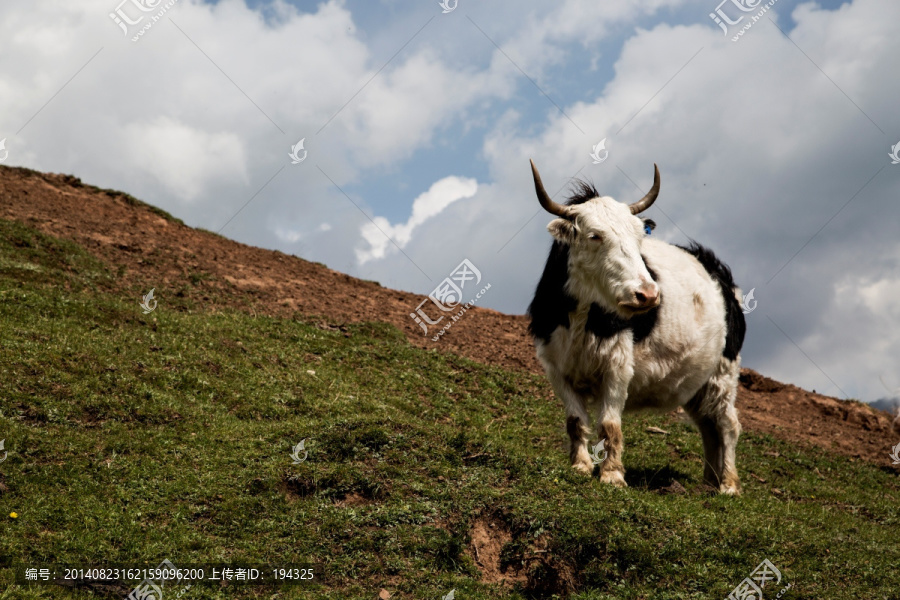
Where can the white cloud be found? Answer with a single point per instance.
(292, 236)
(401, 110)
(288, 235)
(184, 160)
(881, 297)
(429, 204)
(541, 36)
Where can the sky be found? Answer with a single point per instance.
(390, 139)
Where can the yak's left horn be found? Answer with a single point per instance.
(645, 202)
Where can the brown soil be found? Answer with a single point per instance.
(150, 251)
(488, 539)
(353, 499)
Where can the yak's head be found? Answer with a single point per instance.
(604, 239)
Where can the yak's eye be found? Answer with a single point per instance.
(594, 237)
(649, 225)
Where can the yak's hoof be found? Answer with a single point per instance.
(730, 486)
(616, 478)
(585, 468)
(730, 490)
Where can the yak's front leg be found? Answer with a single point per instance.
(609, 425)
(576, 422)
(612, 470)
(578, 439)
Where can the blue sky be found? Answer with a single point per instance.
(773, 149)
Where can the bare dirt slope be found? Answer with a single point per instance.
(149, 250)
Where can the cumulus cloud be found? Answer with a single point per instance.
(183, 159)
(379, 233)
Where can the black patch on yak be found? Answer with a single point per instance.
(734, 316)
(551, 305)
(605, 324)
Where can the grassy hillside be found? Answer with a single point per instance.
(134, 438)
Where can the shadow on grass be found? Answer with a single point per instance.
(655, 479)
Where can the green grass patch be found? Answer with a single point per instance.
(134, 438)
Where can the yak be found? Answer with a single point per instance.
(623, 321)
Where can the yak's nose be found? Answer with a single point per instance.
(647, 296)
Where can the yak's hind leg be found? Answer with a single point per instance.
(712, 409)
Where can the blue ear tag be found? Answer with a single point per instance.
(647, 229)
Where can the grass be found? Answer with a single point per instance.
(134, 438)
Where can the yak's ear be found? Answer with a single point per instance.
(562, 230)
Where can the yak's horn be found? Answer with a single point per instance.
(544, 198)
(645, 202)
